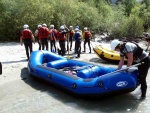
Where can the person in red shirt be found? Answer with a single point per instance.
(27, 38)
(70, 37)
(53, 37)
(43, 33)
(61, 35)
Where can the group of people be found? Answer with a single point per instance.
(44, 35)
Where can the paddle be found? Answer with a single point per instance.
(0, 68)
(126, 68)
(68, 47)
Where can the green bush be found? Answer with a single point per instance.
(133, 27)
(97, 15)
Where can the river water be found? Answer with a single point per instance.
(20, 93)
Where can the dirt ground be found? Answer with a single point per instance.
(19, 93)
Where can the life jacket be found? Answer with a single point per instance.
(43, 32)
(87, 34)
(53, 34)
(61, 35)
(71, 33)
(77, 36)
(137, 53)
(26, 34)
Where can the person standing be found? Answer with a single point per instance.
(70, 38)
(78, 39)
(43, 33)
(87, 39)
(27, 38)
(79, 31)
(37, 36)
(133, 52)
(53, 37)
(61, 35)
(148, 41)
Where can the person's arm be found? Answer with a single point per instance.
(33, 39)
(83, 35)
(90, 35)
(36, 33)
(32, 36)
(67, 30)
(130, 59)
(121, 62)
(21, 40)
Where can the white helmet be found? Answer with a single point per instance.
(44, 25)
(25, 26)
(114, 44)
(85, 28)
(51, 26)
(39, 26)
(62, 27)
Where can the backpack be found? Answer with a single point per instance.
(43, 32)
(26, 33)
(87, 34)
(61, 36)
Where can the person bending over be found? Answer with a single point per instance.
(133, 52)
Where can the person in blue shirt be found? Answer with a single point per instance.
(77, 38)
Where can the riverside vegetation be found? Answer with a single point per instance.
(125, 18)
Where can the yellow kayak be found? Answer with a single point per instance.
(106, 54)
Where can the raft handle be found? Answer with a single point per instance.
(74, 85)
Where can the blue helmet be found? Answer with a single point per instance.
(77, 27)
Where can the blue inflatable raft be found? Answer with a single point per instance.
(81, 78)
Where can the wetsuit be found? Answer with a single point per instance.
(87, 36)
(43, 34)
(37, 38)
(53, 36)
(70, 34)
(61, 35)
(26, 35)
(77, 38)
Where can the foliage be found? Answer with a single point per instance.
(133, 27)
(126, 18)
